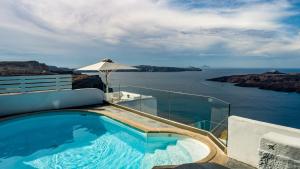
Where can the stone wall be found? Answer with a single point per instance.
(244, 138)
(278, 151)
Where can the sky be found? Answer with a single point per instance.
(218, 33)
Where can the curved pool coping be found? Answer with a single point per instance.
(131, 123)
(150, 130)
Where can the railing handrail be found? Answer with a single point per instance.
(216, 123)
(177, 92)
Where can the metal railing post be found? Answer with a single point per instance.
(140, 101)
(169, 105)
(57, 83)
(229, 113)
(119, 92)
(22, 85)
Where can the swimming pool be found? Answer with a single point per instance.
(86, 140)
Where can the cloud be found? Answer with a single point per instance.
(283, 46)
(238, 27)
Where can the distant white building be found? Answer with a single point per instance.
(135, 101)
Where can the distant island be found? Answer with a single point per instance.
(274, 80)
(13, 68)
(148, 68)
(25, 68)
(19, 68)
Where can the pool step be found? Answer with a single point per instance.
(178, 153)
(173, 154)
(196, 149)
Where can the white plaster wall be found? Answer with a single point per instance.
(244, 137)
(47, 100)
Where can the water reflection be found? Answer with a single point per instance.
(26, 136)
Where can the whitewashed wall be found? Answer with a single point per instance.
(46, 100)
(244, 138)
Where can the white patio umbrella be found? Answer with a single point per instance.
(106, 66)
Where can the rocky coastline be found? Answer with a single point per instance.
(276, 81)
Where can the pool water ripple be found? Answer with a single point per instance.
(69, 140)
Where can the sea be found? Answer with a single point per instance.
(264, 105)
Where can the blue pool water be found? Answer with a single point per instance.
(63, 140)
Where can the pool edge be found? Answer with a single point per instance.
(213, 150)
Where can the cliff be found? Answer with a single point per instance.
(86, 81)
(275, 81)
(19, 68)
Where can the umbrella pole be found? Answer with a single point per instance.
(106, 81)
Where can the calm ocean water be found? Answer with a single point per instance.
(270, 106)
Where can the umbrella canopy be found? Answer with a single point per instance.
(106, 66)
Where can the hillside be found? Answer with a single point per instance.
(18, 68)
(276, 81)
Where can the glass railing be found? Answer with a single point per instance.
(202, 112)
